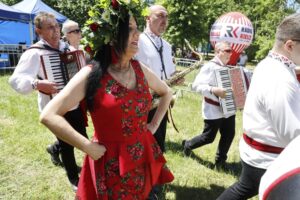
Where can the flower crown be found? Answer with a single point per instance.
(102, 27)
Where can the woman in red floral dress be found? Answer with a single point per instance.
(123, 160)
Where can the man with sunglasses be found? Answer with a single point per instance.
(271, 116)
(72, 36)
(71, 33)
(28, 77)
(214, 119)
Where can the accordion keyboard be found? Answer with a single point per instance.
(53, 70)
(224, 81)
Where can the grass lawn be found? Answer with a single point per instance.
(26, 171)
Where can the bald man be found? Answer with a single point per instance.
(156, 53)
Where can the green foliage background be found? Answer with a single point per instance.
(192, 19)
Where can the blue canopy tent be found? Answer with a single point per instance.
(33, 7)
(10, 13)
(16, 22)
(15, 29)
(14, 26)
(36, 6)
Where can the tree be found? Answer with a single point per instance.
(265, 16)
(185, 22)
(193, 20)
(76, 10)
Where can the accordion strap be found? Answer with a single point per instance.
(212, 102)
(48, 48)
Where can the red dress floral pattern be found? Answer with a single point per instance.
(133, 162)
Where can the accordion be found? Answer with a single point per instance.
(60, 68)
(235, 83)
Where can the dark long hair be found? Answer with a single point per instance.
(103, 59)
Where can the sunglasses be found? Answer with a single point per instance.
(75, 31)
(227, 50)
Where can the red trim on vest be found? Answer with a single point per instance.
(212, 102)
(260, 146)
(278, 181)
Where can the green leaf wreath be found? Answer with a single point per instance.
(105, 15)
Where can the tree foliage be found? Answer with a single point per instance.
(192, 19)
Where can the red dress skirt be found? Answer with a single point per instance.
(133, 162)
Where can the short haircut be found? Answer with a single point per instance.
(67, 25)
(289, 28)
(221, 44)
(41, 17)
(155, 7)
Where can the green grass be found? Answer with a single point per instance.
(26, 171)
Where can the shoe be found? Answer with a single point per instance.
(186, 151)
(74, 185)
(152, 196)
(221, 165)
(54, 156)
(79, 169)
(74, 188)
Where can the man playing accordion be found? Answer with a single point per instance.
(29, 76)
(214, 119)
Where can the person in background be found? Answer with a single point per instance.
(71, 33)
(29, 76)
(123, 160)
(271, 116)
(156, 53)
(214, 119)
(243, 59)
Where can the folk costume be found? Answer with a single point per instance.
(271, 121)
(214, 119)
(27, 72)
(133, 162)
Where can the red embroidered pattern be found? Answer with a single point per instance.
(282, 59)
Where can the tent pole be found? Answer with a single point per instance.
(31, 32)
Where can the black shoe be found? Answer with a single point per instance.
(221, 165)
(186, 151)
(54, 156)
(74, 185)
(79, 169)
(152, 195)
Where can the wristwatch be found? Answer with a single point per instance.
(34, 84)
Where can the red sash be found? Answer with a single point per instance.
(210, 101)
(260, 146)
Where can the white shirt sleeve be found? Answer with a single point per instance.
(202, 83)
(25, 72)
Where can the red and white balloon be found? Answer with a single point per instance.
(235, 28)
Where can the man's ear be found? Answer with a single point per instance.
(147, 18)
(38, 31)
(289, 45)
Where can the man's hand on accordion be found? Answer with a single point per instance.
(219, 92)
(46, 87)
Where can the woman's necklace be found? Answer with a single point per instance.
(121, 74)
(120, 69)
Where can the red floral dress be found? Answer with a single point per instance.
(133, 162)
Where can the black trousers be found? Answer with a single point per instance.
(226, 126)
(160, 134)
(247, 186)
(76, 120)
